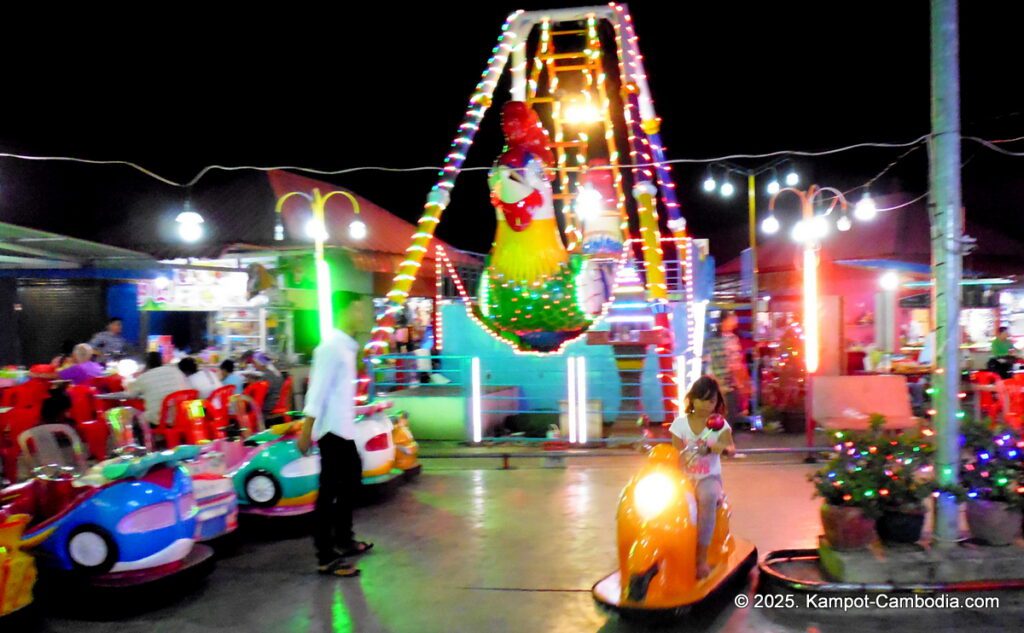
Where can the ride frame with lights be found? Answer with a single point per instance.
(652, 182)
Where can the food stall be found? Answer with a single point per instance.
(220, 319)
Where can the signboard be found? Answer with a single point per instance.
(186, 289)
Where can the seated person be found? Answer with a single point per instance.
(262, 363)
(1004, 355)
(229, 378)
(202, 381)
(84, 368)
(155, 384)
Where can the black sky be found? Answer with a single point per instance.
(374, 84)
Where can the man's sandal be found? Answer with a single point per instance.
(356, 548)
(338, 567)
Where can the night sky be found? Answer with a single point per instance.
(372, 84)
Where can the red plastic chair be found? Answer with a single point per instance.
(217, 412)
(26, 405)
(1014, 412)
(258, 392)
(284, 402)
(173, 424)
(990, 402)
(247, 413)
(89, 420)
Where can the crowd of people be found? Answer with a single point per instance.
(82, 363)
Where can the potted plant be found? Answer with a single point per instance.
(905, 481)
(991, 461)
(848, 484)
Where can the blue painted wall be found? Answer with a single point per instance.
(542, 379)
(122, 301)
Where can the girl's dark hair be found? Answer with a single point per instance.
(228, 366)
(706, 388)
(154, 360)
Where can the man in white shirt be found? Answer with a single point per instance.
(155, 384)
(330, 420)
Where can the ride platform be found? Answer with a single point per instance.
(608, 591)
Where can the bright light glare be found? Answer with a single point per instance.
(792, 179)
(316, 230)
(357, 230)
(581, 113)
(800, 231)
(773, 187)
(865, 209)
(589, 203)
(820, 226)
(653, 494)
(728, 189)
(843, 223)
(770, 225)
(889, 281)
(709, 184)
(127, 368)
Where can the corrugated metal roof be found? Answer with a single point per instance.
(22, 247)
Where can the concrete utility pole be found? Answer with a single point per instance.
(944, 207)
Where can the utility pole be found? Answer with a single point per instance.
(944, 206)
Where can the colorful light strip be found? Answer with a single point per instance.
(477, 410)
(581, 392)
(571, 385)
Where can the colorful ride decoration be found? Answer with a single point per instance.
(528, 294)
(657, 544)
(571, 81)
(127, 520)
(17, 569)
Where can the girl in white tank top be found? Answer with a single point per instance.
(702, 426)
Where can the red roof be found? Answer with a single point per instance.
(387, 234)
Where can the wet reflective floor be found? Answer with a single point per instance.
(484, 550)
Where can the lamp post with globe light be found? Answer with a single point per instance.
(809, 231)
(316, 229)
(726, 189)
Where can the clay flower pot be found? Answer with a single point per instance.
(901, 527)
(993, 522)
(846, 527)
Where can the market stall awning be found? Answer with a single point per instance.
(25, 248)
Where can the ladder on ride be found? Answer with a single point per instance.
(576, 107)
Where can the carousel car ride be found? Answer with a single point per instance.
(212, 487)
(657, 545)
(272, 478)
(125, 521)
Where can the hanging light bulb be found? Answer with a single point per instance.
(792, 179)
(773, 187)
(770, 224)
(357, 230)
(190, 224)
(843, 223)
(727, 189)
(710, 184)
(865, 210)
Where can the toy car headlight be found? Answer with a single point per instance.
(653, 494)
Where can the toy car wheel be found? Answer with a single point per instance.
(262, 489)
(91, 550)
